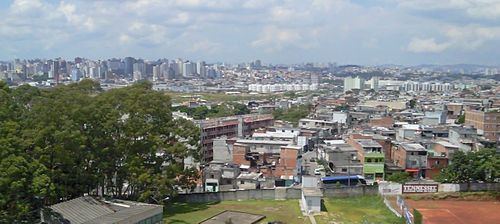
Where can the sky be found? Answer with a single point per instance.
(367, 32)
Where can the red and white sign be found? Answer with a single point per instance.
(420, 188)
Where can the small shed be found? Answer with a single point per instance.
(311, 199)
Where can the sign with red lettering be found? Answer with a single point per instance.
(420, 188)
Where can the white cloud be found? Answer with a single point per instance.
(74, 17)
(274, 38)
(486, 9)
(25, 6)
(319, 29)
(205, 47)
(467, 38)
(428, 45)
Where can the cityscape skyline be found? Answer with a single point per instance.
(278, 32)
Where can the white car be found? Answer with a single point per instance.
(318, 171)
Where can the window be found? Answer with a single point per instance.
(436, 162)
(242, 182)
(344, 169)
(212, 176)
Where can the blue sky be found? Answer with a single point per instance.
(278, 31)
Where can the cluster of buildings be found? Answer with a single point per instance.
(115, 70)
(357, 83)
(183, 75)
(271, 88)
(373, 134)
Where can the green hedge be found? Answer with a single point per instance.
(417, 217)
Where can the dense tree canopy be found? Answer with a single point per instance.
(483, 165)
(61, 143)
(292, 114)
(221, 110)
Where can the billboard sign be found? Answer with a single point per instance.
(420, 188)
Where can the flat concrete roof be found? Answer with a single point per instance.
(234, 217)
(413, 147)
(266, 142)
(312, 192)
(446, 144)
(368, 143)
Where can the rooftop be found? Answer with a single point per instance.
(89, 210)
(413, 147)
(249, 176)
(319, 121)
(266, 142)
(312, 192)
(446, 144)
(464, 130)
(368, 143)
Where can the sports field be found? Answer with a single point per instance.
(367, 209)
(185, 213)
(459, 212)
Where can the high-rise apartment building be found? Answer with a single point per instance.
(188, 69)
(128, 65)
(351, 83)
(201, 70)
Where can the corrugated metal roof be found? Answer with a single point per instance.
(89, 210)
(82, 209)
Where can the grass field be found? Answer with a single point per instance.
(286, 211)
(179, 97)
(368, 209)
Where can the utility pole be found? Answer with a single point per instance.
(349, 171)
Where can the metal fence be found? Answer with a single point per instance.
(405, 210)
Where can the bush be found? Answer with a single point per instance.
(417, 217)
(400, 177)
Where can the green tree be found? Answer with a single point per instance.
(60, 143)
(240, 109)
(483, 165)
(413, 103)
(460, 119)
(292, 114)
(399, 177)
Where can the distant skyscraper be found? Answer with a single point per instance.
(164, 70)
(137, 76)
(139, 67)
(315, 79)
(156, 73)
(351, 83)
(180, 65)
(201, 70)
(189, 69)
(54, 70)
(374, 83)
(76, 75)
(257, 63)
(128, 64)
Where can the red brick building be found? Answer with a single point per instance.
(236, 126)
(386, 122)
(434, 166)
